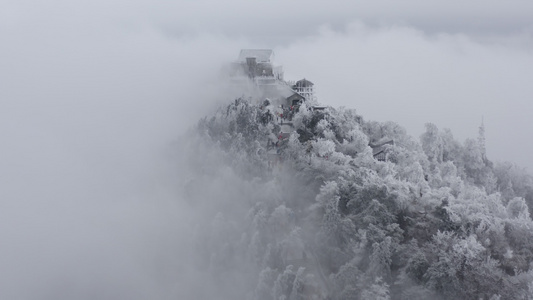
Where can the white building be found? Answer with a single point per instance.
(304, 87)
(254, 70)
(258, 66)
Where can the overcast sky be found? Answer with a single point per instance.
(91, 93)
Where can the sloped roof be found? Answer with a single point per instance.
(261, 55)
(378, 150)
(382, 142)
(286, 91)
(379, 147)
(279, 92)
(303, 83)
(275, 91)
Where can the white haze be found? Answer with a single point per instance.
(401, 74)
(93, 95)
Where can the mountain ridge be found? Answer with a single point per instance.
(326, 220)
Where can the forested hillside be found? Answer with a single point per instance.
(313, 215)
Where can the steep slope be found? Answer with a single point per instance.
(311, 214)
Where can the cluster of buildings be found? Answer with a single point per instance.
(256, 71)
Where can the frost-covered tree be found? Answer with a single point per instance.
(432, 143)
(379, 290)
(315, 216)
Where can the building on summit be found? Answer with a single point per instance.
(256, 71)
(304, 87)
(258, 66)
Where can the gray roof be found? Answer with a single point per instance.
(378, 150)
(379, 147)
(275, 91)
(303, 83)
(382, 142)
(261, 55)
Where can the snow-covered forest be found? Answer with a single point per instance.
(316, 216)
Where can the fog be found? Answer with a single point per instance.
(94, 98)
(401, 74)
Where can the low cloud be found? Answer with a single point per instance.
(89, 209)
(400, 73)
(92, 95)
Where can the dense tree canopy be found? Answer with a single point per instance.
(323, 219)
